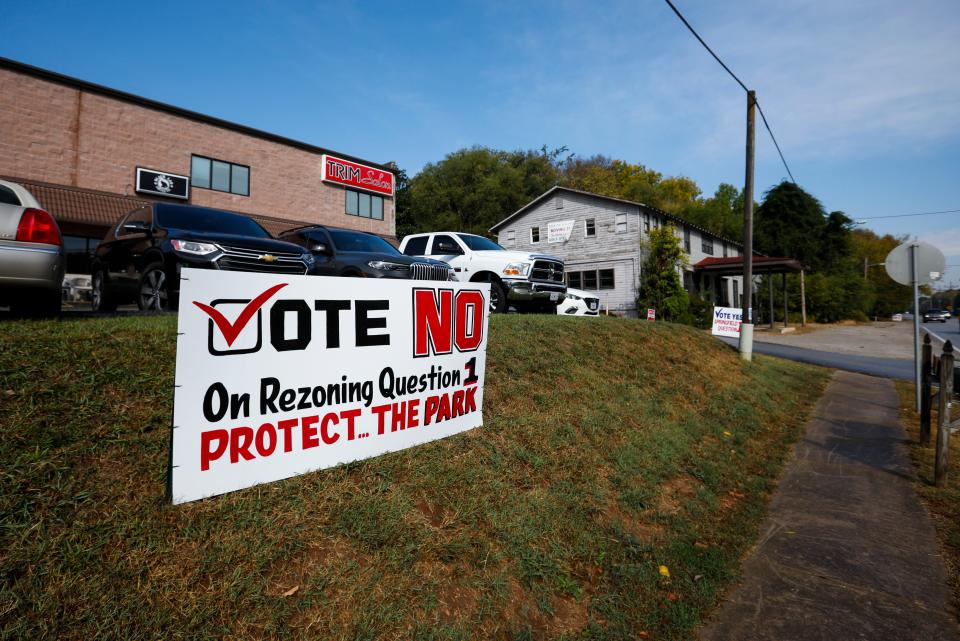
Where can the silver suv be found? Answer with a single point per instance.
(941, 315)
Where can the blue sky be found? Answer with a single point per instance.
(863, 95)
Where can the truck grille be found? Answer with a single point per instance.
(424, 271)
(547, 271)
(240, 259)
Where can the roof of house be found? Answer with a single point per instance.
(103, 209)
(659, 212)
(90, 87)
(761, 264)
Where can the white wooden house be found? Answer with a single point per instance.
(602, 241)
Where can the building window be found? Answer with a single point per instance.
(590, 280)
(621, 221)
(534, 234)
(724, 250)
(559, 203)
(363, 205)
(606, 279)
(646, 223)
(219, 175)
(511, 238)
(706, 244)
(589, 227)
(79, 253)
(573, 280)
(686, 239)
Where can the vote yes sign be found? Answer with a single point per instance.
(281, 375)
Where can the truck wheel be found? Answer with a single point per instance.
(498, 298)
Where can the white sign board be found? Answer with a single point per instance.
(726, 321)
(559, 232)
(281, 375)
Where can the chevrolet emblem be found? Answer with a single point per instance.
(269, 258)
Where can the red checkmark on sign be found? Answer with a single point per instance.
(230, 330)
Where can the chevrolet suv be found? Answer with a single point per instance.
(347, 252)
(140, 258)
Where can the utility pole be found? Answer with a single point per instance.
(746, 322)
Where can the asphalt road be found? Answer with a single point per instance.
(949, 331)
(895, 368)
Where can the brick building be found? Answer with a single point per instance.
(90, 154)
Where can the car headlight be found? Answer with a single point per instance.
(516, 269)
(573, 297)
(387, 266)
(191, 247)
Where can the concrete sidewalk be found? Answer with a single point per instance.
(847, 551)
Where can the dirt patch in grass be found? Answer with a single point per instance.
(610, 447)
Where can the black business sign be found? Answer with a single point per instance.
(161, 183)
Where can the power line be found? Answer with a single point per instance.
(739, 82)
(706, 46)
(923, 213)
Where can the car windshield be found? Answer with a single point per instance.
(479, 243)
(351, 241)
(210, 221)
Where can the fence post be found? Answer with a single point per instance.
(943, 418)
(925, 367)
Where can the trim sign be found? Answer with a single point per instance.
(351, 174)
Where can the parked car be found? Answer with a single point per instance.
(139, 260)
(31, 254)
(528, 282)
(579, 303)
(941, 315)
(347, 252)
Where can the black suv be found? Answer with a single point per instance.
(347, 252)
(140, 258)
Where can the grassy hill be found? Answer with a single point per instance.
(610, 448)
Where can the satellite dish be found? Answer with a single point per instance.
(930, 263)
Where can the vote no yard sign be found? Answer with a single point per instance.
(281, 375)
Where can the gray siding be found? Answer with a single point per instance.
(609, 248)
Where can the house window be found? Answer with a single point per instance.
(621, 222)
(573, 280)
(686, 239)
(646, 223)
(559, 203)
(606, 279)
(724, 250)
(589, 227)
(706, 244)
(511, 237)
(534, 234)
(590, 280)
(363, 205)
(219, 175)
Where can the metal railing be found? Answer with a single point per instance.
(939, 383)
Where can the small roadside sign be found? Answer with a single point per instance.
(651, 314)
(726, 321)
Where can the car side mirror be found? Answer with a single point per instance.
(448, 248)
(320, 248)
(136, 227)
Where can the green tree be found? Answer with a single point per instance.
(722, 213)
(472, 189)
(791, 223)
(660, 286)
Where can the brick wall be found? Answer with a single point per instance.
(54, 133)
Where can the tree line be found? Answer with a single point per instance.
(472, 189)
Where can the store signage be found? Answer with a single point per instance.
(160, 183)
(281, 375)
(726, 321)
(351, 174)
(559, 232)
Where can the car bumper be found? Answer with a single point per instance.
(30, 266)
(523, 291)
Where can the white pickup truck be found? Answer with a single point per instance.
(528, 282)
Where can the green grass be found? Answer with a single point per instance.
(603, 456)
